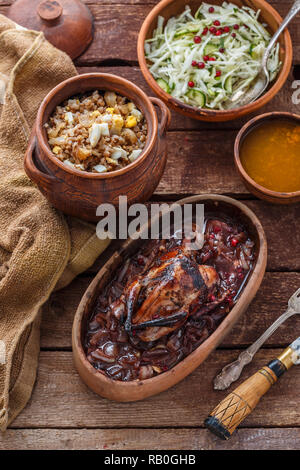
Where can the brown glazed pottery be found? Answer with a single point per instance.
(79, 193)
(67, 24)
(140, 389)
(170, 8)
(252, 186)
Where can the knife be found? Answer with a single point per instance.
(227, 416)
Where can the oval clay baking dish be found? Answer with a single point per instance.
(140, 389)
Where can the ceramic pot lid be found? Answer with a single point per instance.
(67, 24)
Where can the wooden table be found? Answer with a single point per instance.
(63, 413)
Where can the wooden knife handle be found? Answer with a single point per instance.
(225, 418)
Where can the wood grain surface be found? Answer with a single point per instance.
(63, 413)
(61, 400)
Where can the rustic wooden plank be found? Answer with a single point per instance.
(148, 439)
(61, 400)
(269, 303)
(201, 162)
(110, 28)
(282, 101)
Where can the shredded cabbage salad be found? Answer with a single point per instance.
(210, 59)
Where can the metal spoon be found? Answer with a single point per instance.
(232, 372)
(263, 78)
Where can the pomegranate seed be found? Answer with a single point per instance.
(194, 63)
(217, 23)
(229, 299)
(219, 32)
(234, 242)
(155, 316)
(226, 29)
(211, 298)
(212, 59)
(218, 73)
(213, 30)
(201, 65)
(217, 229)
(211, 9)
(205, 31)
(236, 26)
(240, 275)
(164, 368)
(133, 332)
(233, 35)
(211, 236)
(191, 84)
(205, 58)
(222, 50)
(197, 39)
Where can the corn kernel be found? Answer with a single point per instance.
(95, 114)
(118, 122)
(131, 122)
(111, 161)
(83, 153)
(56, 150)
(110, 110)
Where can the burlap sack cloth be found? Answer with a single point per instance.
(40, 249)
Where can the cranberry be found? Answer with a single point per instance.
(191, 84)
(211, 9)
(217, 23)
(222, 50)
(194, 63)
(234, 242)
(219, 32)
(218, 73)
(205, 58)
(205, 31)
(197, 39)
(236, 26)
(226, 29)
(213, 30)
(201, 65)
(233, 35)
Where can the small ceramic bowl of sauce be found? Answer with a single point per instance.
(267, 157)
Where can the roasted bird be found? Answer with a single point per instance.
(166, 300)
(161, 299)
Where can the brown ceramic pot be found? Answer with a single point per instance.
(79, 193)
(170, 8)
(251, 185)
(140, 389)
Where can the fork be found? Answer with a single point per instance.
(232, 371)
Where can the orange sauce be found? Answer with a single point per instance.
(270, 154)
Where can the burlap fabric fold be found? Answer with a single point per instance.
(40, 249)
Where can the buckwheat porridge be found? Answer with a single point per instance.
(97, 132)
